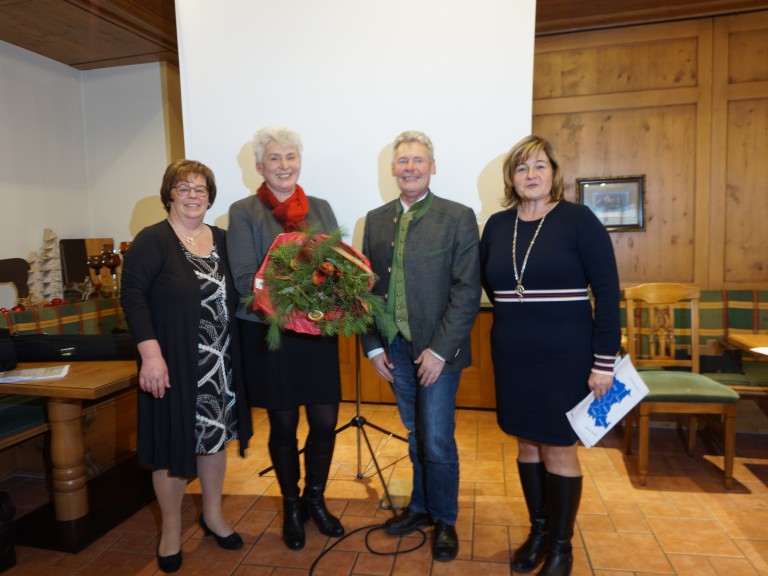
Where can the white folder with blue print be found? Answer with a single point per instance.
(591, 419)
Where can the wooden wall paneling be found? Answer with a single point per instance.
(559, 16)
(373, 388)
(746, 198)
(659, 142)
(717, 176)
(702, 186)
(745, 256)
(747, 50)
(348, 359)
(740, 146)
(658, 125)
(583, 47)
(614, 69)
(476, 388)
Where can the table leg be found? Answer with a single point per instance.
(70, 494)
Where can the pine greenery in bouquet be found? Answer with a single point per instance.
(317, 284)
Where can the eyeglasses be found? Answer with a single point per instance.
(185, 189)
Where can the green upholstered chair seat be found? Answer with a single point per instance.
(729, 378)
(674, 386)
(757, 372)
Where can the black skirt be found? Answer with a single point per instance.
(305, 370)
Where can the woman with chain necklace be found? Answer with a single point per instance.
(540, 260)
(179, 301)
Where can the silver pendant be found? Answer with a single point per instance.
(519, 291)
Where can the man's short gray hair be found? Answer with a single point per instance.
(410, 136)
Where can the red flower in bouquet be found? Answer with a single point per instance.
(317, 284)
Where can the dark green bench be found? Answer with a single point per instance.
(21, 417)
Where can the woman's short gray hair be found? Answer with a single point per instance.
(278, 134)
(413, 136)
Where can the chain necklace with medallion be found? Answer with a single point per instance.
(520, 289)
(188, 239)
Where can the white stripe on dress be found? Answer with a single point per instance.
(562, 295)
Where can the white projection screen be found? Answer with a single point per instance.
(349, 76)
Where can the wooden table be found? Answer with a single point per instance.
(90, 380)
(754, 342)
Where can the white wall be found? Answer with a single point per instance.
(81, 153)
(126, 143)
(350, 76)
(43, 182)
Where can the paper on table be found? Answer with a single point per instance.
(591, 419)
(30, 374)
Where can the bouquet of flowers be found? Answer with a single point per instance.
(317, 284)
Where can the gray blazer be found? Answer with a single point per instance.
(442, 276)
(252, 229)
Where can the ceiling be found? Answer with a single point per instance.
(89, 34)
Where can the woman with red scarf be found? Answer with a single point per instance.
(304, 371)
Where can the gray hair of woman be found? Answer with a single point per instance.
(277, 134)
(410, 136)
(522, 151)
(179, 171)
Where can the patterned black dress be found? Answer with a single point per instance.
(216, 419)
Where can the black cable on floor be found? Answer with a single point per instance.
(370, 529)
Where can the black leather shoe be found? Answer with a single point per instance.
(231, 542)
(406, 522)
(169, 564)
(445, 542)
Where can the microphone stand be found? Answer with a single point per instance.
(360, 422)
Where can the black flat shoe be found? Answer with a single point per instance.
(231, 542)
(406, 522)
(169, 564)
(445, 543)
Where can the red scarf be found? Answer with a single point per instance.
(291, 212)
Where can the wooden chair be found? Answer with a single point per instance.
(656, 325)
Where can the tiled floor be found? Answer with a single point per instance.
(683, 522)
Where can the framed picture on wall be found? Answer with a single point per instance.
(616, 201)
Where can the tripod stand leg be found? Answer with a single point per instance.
(383, 431)
(378, 470)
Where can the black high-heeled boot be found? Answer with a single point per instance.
(533, 478)
(317, 461)
(285, 459)
(563, 494)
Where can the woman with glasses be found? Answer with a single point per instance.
(179, 302)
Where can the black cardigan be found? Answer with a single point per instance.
(161, 299)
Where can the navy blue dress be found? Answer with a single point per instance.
(543, 347)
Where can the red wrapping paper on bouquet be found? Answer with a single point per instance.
(297, 320)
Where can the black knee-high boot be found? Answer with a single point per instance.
(563, 496)
(285, 459)
(317, 462)
(533, 477)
